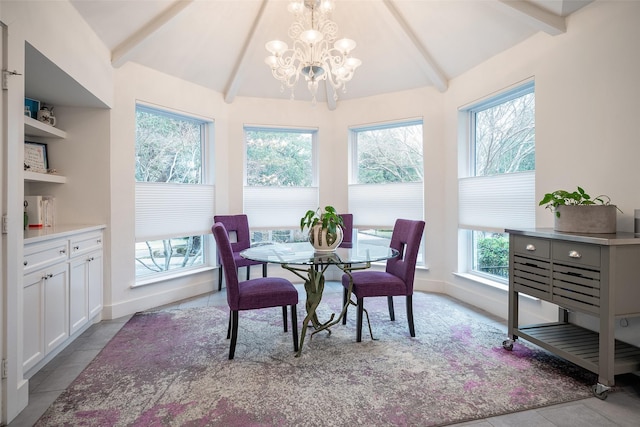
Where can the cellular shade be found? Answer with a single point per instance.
(496, 202)
(379, 205)
(278, 207)
(166, 210)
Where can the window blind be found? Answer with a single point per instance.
(493, 203)
(165, 210)
(278, 207)
(379, 205)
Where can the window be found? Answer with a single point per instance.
(387, 175)
(498, 191)
(280, 181)
(174, 194)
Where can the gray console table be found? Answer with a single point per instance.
(596, 274)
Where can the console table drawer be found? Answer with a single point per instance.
(578, 253)
(531, 246)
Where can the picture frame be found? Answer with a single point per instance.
(35, 157)
(32, 106)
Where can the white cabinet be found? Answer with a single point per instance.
(85, 269)
(45, 314)
(62, 291)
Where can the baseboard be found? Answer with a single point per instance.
(146, 302)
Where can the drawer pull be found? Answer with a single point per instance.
(63, 251)
(531, 247)
(575, 254)
(75, 248)
(25, 263)
(99, 241)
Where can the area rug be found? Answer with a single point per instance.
(170, 368)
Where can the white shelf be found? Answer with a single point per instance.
(33, 127)
(44, 177)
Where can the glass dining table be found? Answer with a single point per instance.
(301, 259)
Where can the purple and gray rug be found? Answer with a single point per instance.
(171, 368)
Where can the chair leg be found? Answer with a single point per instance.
(412, 330)
(344, 303)
(264, 270)
(220, 278)
(248, 272)
(234, 334)
(284, 317)
(294, 326)
(359, 319)
(229, 327)
(392, 313)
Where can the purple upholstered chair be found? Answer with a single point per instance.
(347, 231)
(396, 280)
(253, 294)
(238, 224)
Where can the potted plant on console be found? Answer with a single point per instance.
(325, 228)
(577, 212)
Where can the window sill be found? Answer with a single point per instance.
(170, 276)
(491, 283)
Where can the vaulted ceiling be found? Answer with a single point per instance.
(403, 44)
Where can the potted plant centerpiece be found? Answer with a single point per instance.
(325, 228)
(577, 212)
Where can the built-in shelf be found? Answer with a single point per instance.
(33, 127)
(44, 177)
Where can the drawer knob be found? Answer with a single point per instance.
(63, 251)
(99, 241)
(25, 263)
(75, 248)
(530, 247)
(575, 254)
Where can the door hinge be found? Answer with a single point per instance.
(4, 368)
(5, 224)
(5, 77)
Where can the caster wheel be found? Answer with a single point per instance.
(600, 391)
(507, 345)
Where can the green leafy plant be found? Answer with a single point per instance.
(329, 219)
(565, 198)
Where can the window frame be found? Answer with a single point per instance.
(207, 176)
(468, 166)
(311, 192)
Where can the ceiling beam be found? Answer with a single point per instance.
(239, 70)
(430, 67)
(535, 17)
(121, 54)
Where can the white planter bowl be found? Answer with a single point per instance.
(318, 239)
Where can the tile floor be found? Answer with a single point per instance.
(621, 408)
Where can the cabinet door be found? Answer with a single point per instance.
(94, 277)
(78, 294)
(56, 306)
(32, 320)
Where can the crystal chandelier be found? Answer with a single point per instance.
(315, 53)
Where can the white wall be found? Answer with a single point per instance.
(587, 94)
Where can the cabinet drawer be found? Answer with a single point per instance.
(577, 253)
(531, 246)
(44, 254)
(85, 243)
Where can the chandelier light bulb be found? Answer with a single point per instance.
(311, 37)
(276, 47)
(345, 46)
(316, 54)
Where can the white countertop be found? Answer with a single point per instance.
(32, 235)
